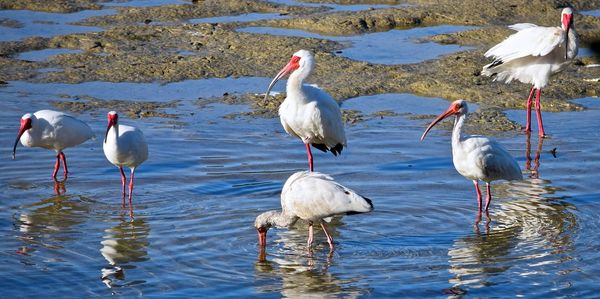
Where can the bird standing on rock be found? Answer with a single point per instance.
(308, 112)
(531, 56)
(52, 130)
(477, 157)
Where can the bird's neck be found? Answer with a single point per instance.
(281, 219)
(296, 79)
(457, 134)
(113, 133)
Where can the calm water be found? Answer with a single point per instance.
(208, 177)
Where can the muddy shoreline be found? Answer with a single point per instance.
(144, 44)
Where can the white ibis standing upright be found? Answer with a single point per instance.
(311, 196)
(477, 157)
(124, 146)
(308, 112)
(531, 56)
(52, 130)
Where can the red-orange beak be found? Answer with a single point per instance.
(25, 125)
(451, 111)
(112, 120)
(567, 20)
(293, 65)
(262, 237)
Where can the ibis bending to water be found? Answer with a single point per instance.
(314, 197)
(308, 112)
(477, 157)
(531, 56)
(52, 130)
(124, 146)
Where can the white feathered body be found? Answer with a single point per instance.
(313, 116)
(55, 131)
(314, 196)
(480, 158)
(532, 54)
(128, 149)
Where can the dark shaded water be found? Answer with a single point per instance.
(208, 177)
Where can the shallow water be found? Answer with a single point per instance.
(208, 177)
(45, 24)
(382, 47)
(206, 180)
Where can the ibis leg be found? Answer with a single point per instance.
(123, 182)
(329, 238)
(310, 157)
(310, 235)
(476, 183)
(488, 197)
(63, 158)
(131, 192)
(56, 165)
(538, 112)
(529, 103)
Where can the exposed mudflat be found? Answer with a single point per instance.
(156, 43)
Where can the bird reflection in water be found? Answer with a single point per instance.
(124, 244)
(59, 186)
(51, 222)
(536, 160)
(299, 275)
(533, 225)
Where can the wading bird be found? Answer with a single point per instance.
(308, 112)
(52, 130)
(314, 197)
(124, 146)
(477, 157)
(531, 56)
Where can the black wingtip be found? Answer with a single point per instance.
(369, 201)
(495, 63)
(337, 150)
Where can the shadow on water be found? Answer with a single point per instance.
(124, 245)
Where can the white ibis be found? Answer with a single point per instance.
(311, 196)
(52, 130)
(308, 112)
(124, 146)
(477, 157)
(531, 56)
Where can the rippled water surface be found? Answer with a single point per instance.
(208, 177)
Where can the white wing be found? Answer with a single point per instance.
(528, 41)
(314, 196)
(327, 117)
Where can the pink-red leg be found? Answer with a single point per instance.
(63, 158)
(488, 197)
(329, 238)
(123, 182)
(310, 157)
(529, 103)
(527, 150)
(476, 183)
(310, 236)
(131, 192)
(538, 112)
(56, 165)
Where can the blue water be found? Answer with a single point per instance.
(208, 176)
